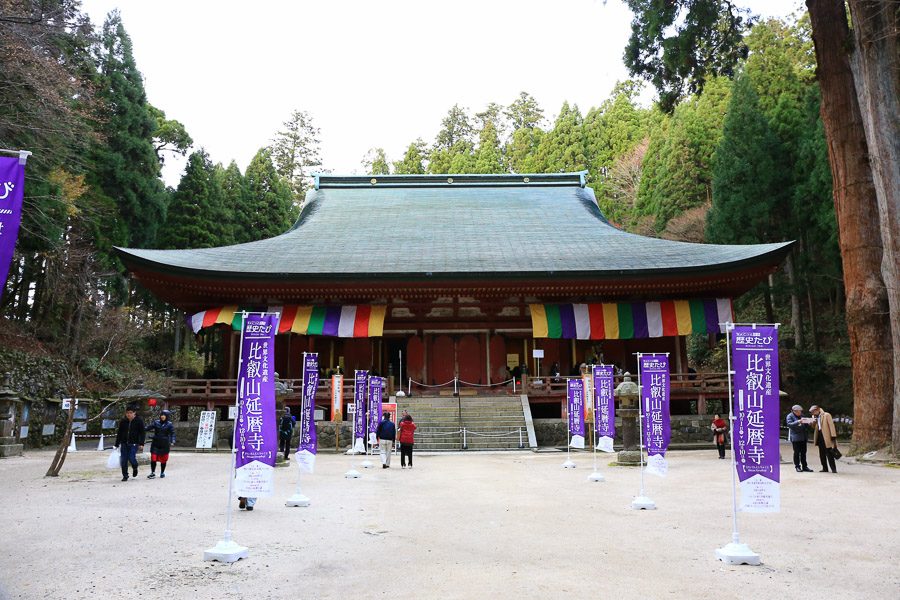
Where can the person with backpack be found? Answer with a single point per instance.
(163, 439)
(286, 431)
(407, 433)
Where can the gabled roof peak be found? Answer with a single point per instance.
(324, 181)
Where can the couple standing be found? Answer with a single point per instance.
(824, 437)
(386, 434)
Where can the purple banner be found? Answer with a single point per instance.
(754, 352)
(307, 420)
(360, 386)
(575, 409)
(604, 407)
(376, 393)
(12, 186)
(653, 370)
(255, 432)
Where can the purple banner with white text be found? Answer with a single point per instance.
(12, 186)
(575, 397)
(604, 407)
(306, 451)
(376, 393)
(360, 398)
(754, 352)
(255, 432)
(657, 428)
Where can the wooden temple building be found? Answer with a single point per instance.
(470, 274)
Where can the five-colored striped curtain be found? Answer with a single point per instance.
(627, 320)
(361, 320)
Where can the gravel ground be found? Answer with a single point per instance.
(479, 525)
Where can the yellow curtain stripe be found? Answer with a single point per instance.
(301, 321)
(683, 316)
(539, 321)
(376, 320)
(611, 321)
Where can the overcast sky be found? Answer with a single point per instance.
(371, 73)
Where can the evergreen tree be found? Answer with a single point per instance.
(413, 162)
(295, 151)
(375, 162)
(235, 200)
(489, 156)
(524, 112)
(677, 173)
(521, 151)
(270, 209)
(197, 216)
(126, 167)
(749, 196)
(563, 148)
(169, 135)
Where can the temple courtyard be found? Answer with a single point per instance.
(477, 525)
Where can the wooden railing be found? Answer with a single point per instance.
(682, 384)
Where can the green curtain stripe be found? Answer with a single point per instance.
(316, 321)
(698, 316)
(237, 321)
(626, 320)
(554, 324)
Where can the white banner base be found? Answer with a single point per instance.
(605, 444)
(596, 476)
(373, 440)
(254, 480)
(226, 551)
(297, 500)
(577, 441)
(657, 465)
(306, 460)
(352, 474)
(737, 554)
(760, 494)
(643, 503)
(359, 447)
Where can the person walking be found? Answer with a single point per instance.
(163, 439)
(130, 439)
(798, 435)
(407, 439)
(286, 431)
(719, 428)
(386, 434)
(824, 437)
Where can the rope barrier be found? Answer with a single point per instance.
(486, 384)
(494, 434)
(431, 386)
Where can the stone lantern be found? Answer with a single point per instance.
(627, 392)
(9, 401)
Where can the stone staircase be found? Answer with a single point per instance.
(491, 422)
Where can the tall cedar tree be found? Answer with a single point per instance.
(126, 167)
(295, 152)
(749, 192)
(269, 210)
(235, 199)
(197, 217)
(413, 161)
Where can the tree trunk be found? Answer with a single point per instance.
(856, 209)
(796, 314)
(63, 449)
(813, 323)
(767, 301)
(876, 73)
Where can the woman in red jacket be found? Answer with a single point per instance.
(407, 431)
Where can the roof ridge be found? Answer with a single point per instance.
(327, 180)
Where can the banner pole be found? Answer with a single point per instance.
(298, 499)
(734, 553)
(366, 464)
(569, 464)
(596, 476)
(642, 502)
(227, 550)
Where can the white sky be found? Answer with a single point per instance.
(371, 73)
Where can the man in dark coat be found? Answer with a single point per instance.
(798, 434)
(163, 439)
(286, 431)
(386, 434)
(130, 440)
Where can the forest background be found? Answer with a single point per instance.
(742, 160)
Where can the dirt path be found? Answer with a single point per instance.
(511, 525)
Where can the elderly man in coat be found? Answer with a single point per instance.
(798, 434)
(825, 437)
